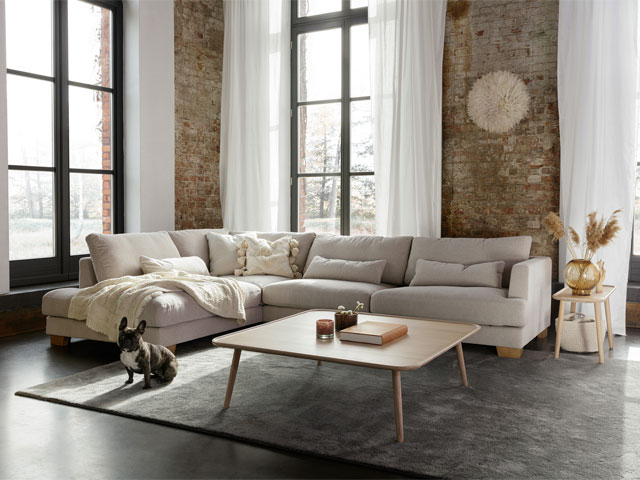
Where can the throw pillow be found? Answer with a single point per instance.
(193, 265)
(350, 270)
(429, 273)
(269, 258)
(223, 252)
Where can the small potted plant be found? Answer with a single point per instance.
(347, 318)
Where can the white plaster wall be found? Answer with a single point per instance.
(149, 112)
(4, 193)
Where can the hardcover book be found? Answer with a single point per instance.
(375, 333)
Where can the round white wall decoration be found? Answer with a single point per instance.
(498, 101)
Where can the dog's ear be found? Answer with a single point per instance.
(123, 323)
(141, 327)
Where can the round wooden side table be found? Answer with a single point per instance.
(565, 295)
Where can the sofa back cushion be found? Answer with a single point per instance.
(350, 270)
(119, 255)
(395, 250)
(305, 239)
(194, 265)
(469, 251)
(439, 274)
(193, 243)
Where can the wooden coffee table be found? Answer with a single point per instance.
(295, 336)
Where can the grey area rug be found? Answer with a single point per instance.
(530, 418)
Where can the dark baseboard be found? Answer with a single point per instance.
(23, 320)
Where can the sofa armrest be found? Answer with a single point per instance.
(86, 273)
(531, 279)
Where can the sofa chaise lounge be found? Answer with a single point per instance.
(510, 315)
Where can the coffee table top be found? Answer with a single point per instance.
(295, 336)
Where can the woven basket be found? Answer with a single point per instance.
(579, 333)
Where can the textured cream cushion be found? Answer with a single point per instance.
(349, 270)
(309, 293)
(194, 242)
(223, 252)
(118, 255)
(304, 239)
(185, 264)
(395, 250)
(269, 258)
(430, 273)
(468, 251)
(481, 305)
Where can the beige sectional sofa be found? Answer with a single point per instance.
(510, 316)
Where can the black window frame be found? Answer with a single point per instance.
(64, 266)
(344, 19)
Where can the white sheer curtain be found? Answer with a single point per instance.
(254, 127)
(406, 47)
(597, 101)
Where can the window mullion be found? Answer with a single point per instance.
(345, 164)
(62, 62)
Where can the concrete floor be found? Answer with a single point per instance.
(40, 439)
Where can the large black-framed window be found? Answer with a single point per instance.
(332, 176)
(64, 112)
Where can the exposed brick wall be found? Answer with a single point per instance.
(199, 35)
(501, 184)
(105, 75)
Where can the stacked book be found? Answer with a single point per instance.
(376, 333)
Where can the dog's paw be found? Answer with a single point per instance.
(146, 387)
(127, 382)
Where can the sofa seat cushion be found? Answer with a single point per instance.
(319, 293)
(258, 280)
(481, 305)
(170, 308)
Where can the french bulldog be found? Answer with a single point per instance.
(138, 356)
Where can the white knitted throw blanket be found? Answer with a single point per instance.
(103, 305)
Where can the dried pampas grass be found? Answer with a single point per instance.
(598, 233)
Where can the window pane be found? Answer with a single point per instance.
(29, 35)
(89, 44)
(363, 205)
(319, 204)
(30, 121)
(361, 137)
(359, 3)
(89, 128)
(360, 61)
(306, 8)
(319, 138)
(31, 231)
(90, 206)
(319, 65)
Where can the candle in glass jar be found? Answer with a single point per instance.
(324, 328)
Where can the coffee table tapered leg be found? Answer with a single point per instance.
(397, 403)
(232, 376)
(463, 370)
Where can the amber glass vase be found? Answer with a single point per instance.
(581, 276)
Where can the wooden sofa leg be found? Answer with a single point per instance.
(172, 348)
(58, 341)
(508, 352)
(543, 333)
